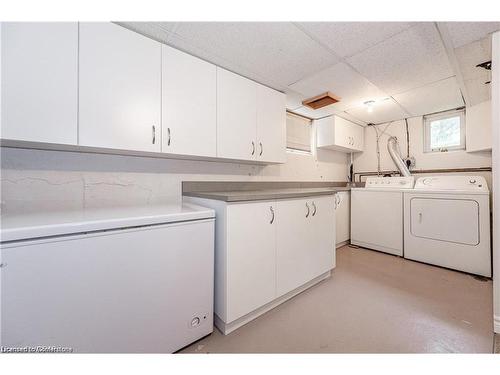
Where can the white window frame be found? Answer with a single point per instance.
(299, 151)
(440, 116)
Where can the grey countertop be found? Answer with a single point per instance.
(265, 194)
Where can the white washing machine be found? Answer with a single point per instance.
(377, 213)
(447, 223)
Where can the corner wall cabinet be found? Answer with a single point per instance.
(336, 133)
(289, 247)
(478, 133)
(99, 87)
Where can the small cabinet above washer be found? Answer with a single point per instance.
(336, 133)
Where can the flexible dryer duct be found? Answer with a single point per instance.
(392, 145)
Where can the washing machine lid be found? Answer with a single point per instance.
(465, 184)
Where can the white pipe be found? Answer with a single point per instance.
(391, 147)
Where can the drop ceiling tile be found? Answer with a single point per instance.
(466, 32)
(278, 51)
(315, 113)
(343, 81)
(435, 97)
(293, 99)
(159, 31)
(383, 111)
(327, 111)
(348, 38)
(472, 54)
(407, 60)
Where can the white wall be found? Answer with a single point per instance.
(367, 160)
(33, 180)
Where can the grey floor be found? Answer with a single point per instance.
(373, 303)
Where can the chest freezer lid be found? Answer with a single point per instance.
(452, 183)
(26, 226)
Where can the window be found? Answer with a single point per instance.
(444, 131)
(298, 133)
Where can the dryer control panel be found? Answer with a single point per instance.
(390, 182)
(462, 183)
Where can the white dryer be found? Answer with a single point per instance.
(377, 213)
(447, 223)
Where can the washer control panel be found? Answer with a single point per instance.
(390, 182)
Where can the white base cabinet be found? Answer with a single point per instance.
(268, 251)
(130, 290)
(343, 217)
(305, 241)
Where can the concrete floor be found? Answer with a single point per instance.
(373, 303)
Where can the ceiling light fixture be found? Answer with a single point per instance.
(369, 104)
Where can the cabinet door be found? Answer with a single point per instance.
(134, 290)
(342, 216)
(342, 133)
(39, 80)
(189, 109)
(120, 88)
(271, 125)
(296, 261)
(251, 257)
(236, 116)
(323, 226)
(357, 133)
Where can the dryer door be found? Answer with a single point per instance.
(450, 220)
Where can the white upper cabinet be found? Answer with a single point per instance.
(271, 125)
(478, 131)
(189, 104)
(336, 133)
(39, 80)
(236, 116)
(119, 89)
(251, 120)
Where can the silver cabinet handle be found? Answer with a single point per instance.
(308, 210)
(420, 217)
(253, 147)
(272, 213)
(154, 134)
(261, 149)
(168, 135)
(314, 207)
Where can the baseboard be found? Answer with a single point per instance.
(227, 328)
(496, 323)
(343, 243)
